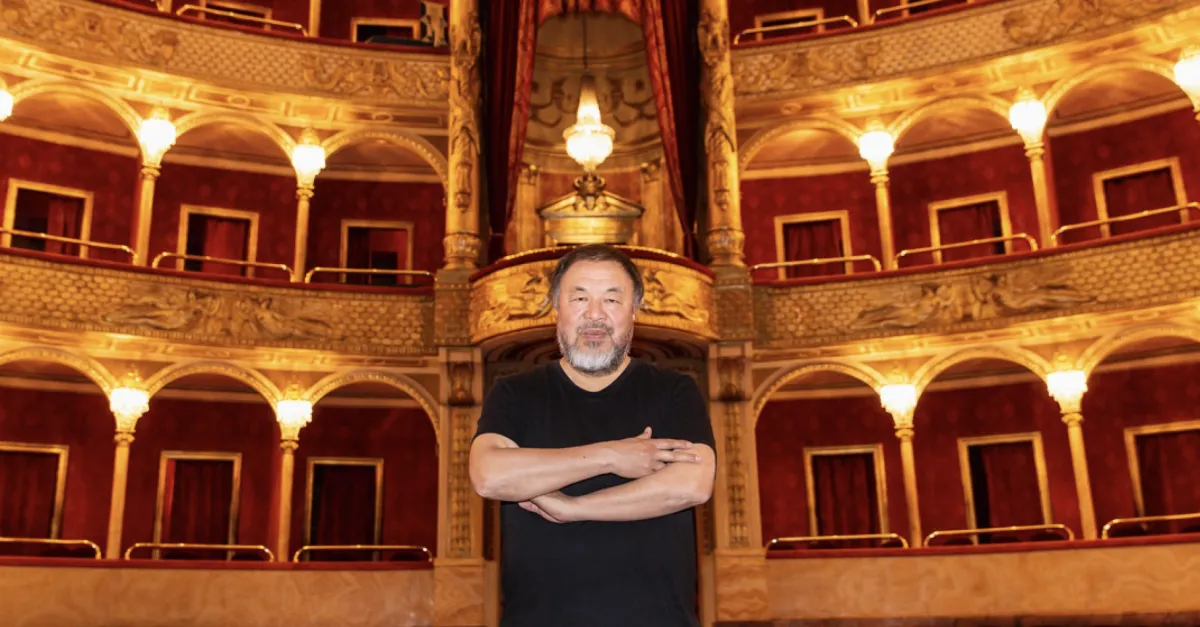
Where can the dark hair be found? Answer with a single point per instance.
(597, 252)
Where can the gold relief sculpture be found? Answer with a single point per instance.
(1027, 26)
(666, 297)
(974, 297)
(729, 373)
(801, 69)
(717, 94)
(464, 96)
(89, 32)
(387, 80)
(240, 316)
(461, 375)
(463, 427)
(519, 296)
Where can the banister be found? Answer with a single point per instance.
(803, 24)
(834, 538)
(361, 547)
(83, 243)
(1070, 535)
(1104, 222)
(1116, 522)
(975, 242)
(266, 21)
(235, 262)
(55, 542)
(903, 7)
(321, 269)
(818, 261)
(157, 546)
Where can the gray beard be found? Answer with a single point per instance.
(592, 362)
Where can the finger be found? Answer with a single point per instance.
(659, 466)
(645, 434)
(672, 444)
(674, 456)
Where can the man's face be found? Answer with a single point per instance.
(595, 316)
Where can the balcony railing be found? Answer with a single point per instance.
(53, 543)
(886, 540)
(251, 19)
(1140, 522)
(820, 261)
(230, 550)
(939, 249)
(1041, 532)
(6, 236)
(420, 552)
(248, 265)
(368, 271)
(1105, 223)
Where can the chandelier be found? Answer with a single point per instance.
(589, 140)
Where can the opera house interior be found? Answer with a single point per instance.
(934, 264)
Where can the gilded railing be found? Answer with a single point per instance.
(412, 549)
(883, 538)
(1105, 223)
(84, 244)
(1117, 523)
(242, 263)
(841, 19)
(937, 250)
(253, 19)
(228, 549)
(1062, 531)
(54, 542)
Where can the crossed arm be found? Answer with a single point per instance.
(669, 476)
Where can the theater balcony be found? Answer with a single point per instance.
(934, 262)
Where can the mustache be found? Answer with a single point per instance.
(596, 326)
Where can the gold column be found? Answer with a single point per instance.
(1067, 387)
(145, 210)
(304, 194)
(883, 207)
(462, 242)
(1047, 223)
(525, 229)
(864, 12)
(127, 404)
(654, 225)
(909, 465)
(726, 240)
(287, 467)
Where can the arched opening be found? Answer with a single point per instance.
(70, 168)
(227, 190)
(960, 174)
(366, 474)
(203, 468)
(806, 194)
(380, 204)
(56, 457)
(828, 463)
(1121, 138)
(991, 451)
(1142, 432)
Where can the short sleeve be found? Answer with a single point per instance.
(687, 414)
(498, 415)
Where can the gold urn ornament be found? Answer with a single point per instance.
(590, 215)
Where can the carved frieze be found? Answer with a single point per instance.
(795, 70)
(89, 32)
(384, 80)
(1041, 24)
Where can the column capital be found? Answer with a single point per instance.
(879, 176)
(151, 170)
(905, 433)
(304, 192)
(289, 445)
(1072, 418)
(1035, 149)
(123, 437)
(462, 250)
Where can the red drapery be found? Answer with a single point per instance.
(343, 505)
(27, 482)
(813, 240)
(1167, 464)
(378, 248)
(43, 212)
(1004, 484)
(963, 224)
(1139, 192)
(197, 501)
(669, 29)
(212, 236)
(845, 494)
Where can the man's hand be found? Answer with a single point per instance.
(637, 457)
(555, 507)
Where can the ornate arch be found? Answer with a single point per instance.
(1104, 347)
(759, 140)
(87, 366)
(404, 139)
(254, 379)
(36, 87)
(1028, 360)
(1060, 89)
(277, 135)
(910, 119)
(399, 381)
(786, 375)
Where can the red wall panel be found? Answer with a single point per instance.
(404, 439)
(336, 14)
(764, 199)
(942, 417)
(295, 11)
(82, 422)
(785, 428)
(111, 178)
(1078, 156)
(423, 204)
(1130, 398)
(248, 428)
(273, 197)
(742, 12)
(915, 185)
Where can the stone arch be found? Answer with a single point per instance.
(409, 141)
(277, 135)
(86, 366)
(1063, 87)
(788, 374)
(32, 88)
(911, 118)
(762, 138)
(932, 370)
(1104, 348)
(254, 379)
(399, 381)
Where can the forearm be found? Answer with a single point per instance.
(520, 474)
(670, 490)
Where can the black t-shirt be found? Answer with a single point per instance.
(602, 574)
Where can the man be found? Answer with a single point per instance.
(598, 459)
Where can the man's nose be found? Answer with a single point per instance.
(595, 310)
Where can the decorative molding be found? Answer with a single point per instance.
(89, 31)
(377, 80)
(1035, 25)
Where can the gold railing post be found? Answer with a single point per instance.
(1068, 387)
(127, 404)
(462, 242)
(725, 239)
(304, 194)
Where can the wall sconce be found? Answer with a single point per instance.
(876, 146)
(1067, 387)
(6, 102)
(293, 414)
(1028, 117)
(1187, 72)
(899, 400)
(156, 135)
(308, 158)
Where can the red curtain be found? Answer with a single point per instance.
(380, 248)
(27, 482)
(197, 501)
(43, 212)
(510, 43)
(963, 224)
(813, 240)
(224, 238)
(845, 494)
(1167, 464)
(1139, 192)
(343, 505)
(1004, 485)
